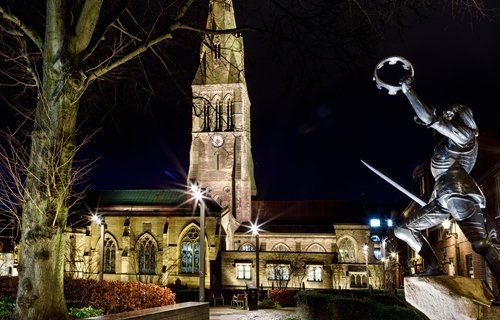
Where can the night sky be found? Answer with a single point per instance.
(308, 136)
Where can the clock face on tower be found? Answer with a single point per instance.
(217, 140)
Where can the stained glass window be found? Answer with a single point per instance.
(109, 255)
(147, 255)
(190, 251)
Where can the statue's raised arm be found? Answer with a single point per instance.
(424, 113)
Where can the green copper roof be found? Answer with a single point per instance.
(172, 197)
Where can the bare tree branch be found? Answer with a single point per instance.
(85, 26)
(30, 33)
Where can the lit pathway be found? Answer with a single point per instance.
(227, 313)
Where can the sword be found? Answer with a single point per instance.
(396, 185)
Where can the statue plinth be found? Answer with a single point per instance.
(445, 297)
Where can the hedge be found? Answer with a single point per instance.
(109, 296)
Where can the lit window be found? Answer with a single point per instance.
(374, 223)
(358, 280)
(247, 247)
(109, 255)
(347, 250)
(314, 273)
(377, 253)
(190, 251)
(147, 255)
(244, 271)
(278, 272)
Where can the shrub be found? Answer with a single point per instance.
(8, 287)
(108, 296)
(84, 312)
(187, 295)
(116, 296)
(352, 305)
(267, 304)
(286, 298)
(7, 307)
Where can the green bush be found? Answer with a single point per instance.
(84, 312)
(7, 307)
(187, 295)
(322, 305)
(267, 304)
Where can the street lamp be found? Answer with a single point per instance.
(198, 195)
(100, 222)
(255, 232)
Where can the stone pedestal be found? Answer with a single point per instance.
(445, 297)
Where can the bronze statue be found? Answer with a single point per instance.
(455, 193)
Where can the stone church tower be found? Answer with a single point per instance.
(220, 156)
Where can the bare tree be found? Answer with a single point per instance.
(80, 264)
(285, 267)
(53, 52)
(167, 272)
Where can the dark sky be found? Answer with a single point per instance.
(308, 137)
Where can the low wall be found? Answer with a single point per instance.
(178, 311)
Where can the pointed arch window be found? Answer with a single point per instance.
(229, 114)
(280, 247)
(109, 255)
(147, 255)
(190, 251)
(206, 116)
(315, 247)
(216, 48)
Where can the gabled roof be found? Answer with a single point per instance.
(171, 197)
(144, 199)
(299, 216)
(309, 212)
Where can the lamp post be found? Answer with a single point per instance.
(198, 195)
(100, 222)
(255, 232)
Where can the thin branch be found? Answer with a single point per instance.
(30, 33)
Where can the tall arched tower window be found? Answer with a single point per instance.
(190, 251)
(109, 254)
(147, 254)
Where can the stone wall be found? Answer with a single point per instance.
(180, 311)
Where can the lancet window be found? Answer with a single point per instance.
(109, 255)
(190, 251)
(147, 255)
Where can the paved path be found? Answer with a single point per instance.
(228, 313)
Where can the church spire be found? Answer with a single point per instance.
(221, 55)
(221, 153)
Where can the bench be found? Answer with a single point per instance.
(217, 297)
(239, 300)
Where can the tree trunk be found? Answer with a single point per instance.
(47, 189)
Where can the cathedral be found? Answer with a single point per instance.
(154, 235)
(226, 238)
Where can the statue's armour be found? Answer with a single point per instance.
(450, 166)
